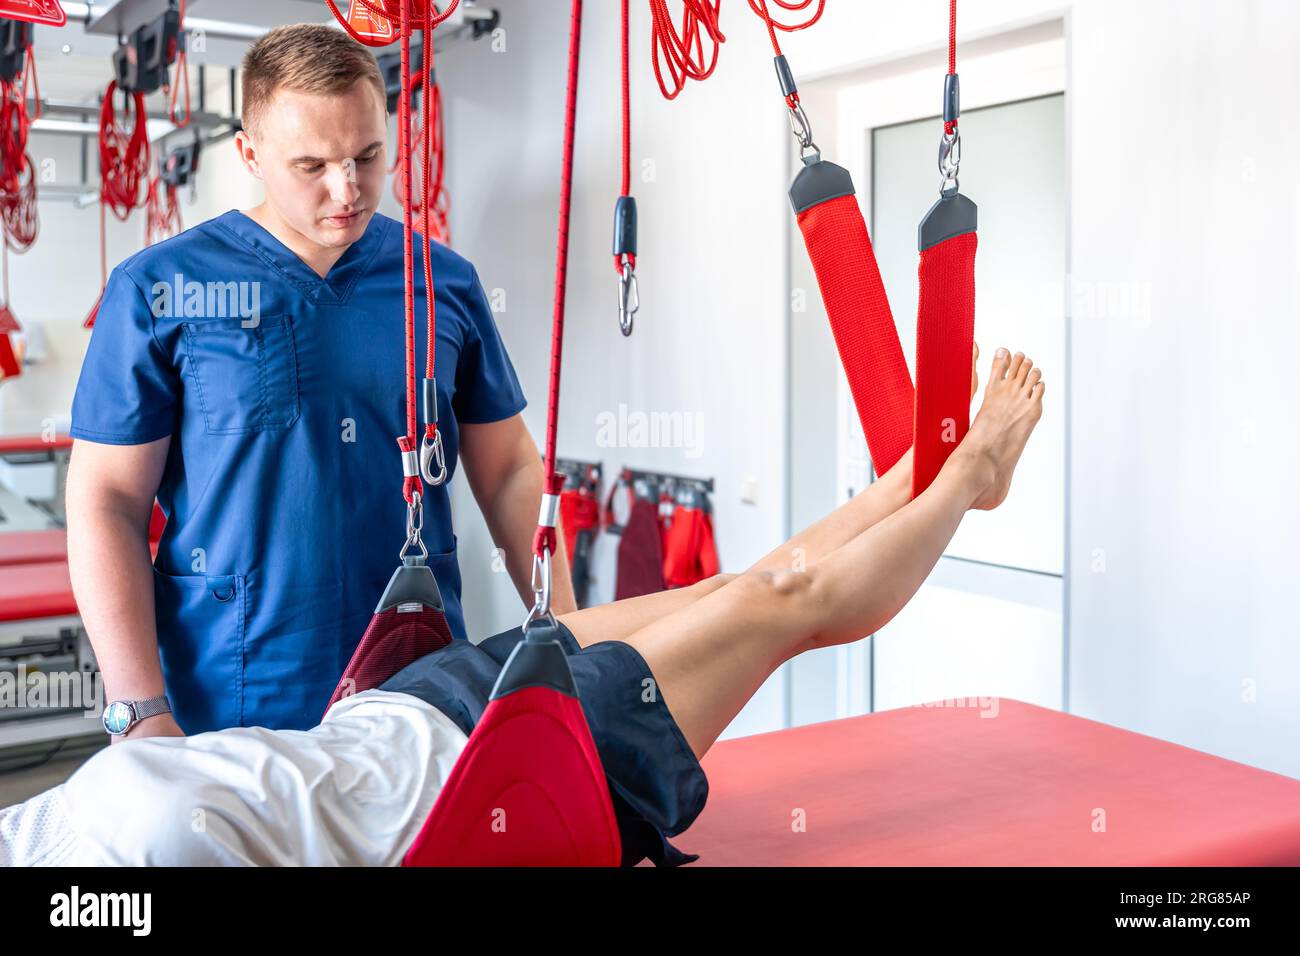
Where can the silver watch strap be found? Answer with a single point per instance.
(151, 707)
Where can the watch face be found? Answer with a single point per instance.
(117, 717)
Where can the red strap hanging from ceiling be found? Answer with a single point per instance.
(544, 541)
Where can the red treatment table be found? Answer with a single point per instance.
(33, 547)
(945, 786)
(36, 592)
(33, 444)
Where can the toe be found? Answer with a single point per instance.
(1001, 359)
(1016, 361)
(1023, 372)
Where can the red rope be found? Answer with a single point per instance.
(627, 125)
(182, 73)
(410, 483)
(681, 50)
(408, 442)
(773, 25)
(440, 201)
(430, 428)
(627, 106)
(123, 164)
(790, 6)
(545, 536)
(949, 127)
(19, 217)
(162, 212)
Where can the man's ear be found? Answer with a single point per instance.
(248, 153)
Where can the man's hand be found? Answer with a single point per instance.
(159, 725)
(505, 473)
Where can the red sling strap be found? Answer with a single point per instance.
(933, 417)
(529, 788)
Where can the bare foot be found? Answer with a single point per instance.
(974, 372)
(1013, 404)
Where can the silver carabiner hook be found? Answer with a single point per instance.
(414, 525)
(800, 126)
(629, 299)
(541, 591)
(802, 130)
(432, 452)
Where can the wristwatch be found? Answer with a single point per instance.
(121, 715)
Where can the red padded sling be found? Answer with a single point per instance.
(933, 417)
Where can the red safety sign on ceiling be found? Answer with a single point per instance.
(34, 11)
(370, 24)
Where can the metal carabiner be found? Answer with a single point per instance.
(541, 591)
(414, 525)
(431, 451)
(949, 161)
(629, 299)
(800, 126)
(802, 130)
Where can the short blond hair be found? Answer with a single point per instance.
(306, 58)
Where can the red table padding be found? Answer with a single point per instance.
(33, 547)
(945, 786)
(31, 592)
(16, 444)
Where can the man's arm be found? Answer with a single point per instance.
(110, 496)
(505, 472)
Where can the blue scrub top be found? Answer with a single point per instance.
(284, 394)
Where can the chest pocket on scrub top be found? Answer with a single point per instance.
(246, 377)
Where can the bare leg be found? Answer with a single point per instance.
(618, 620)
(710, 658)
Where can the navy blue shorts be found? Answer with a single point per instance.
(657, 785)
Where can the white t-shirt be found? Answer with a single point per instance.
(353, 791)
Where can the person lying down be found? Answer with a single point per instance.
(356, 789)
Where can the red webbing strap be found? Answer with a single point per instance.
(945, 335)
(544, 539)
(858, 308)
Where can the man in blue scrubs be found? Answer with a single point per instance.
(250, 374)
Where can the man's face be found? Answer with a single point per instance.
(322, 160)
